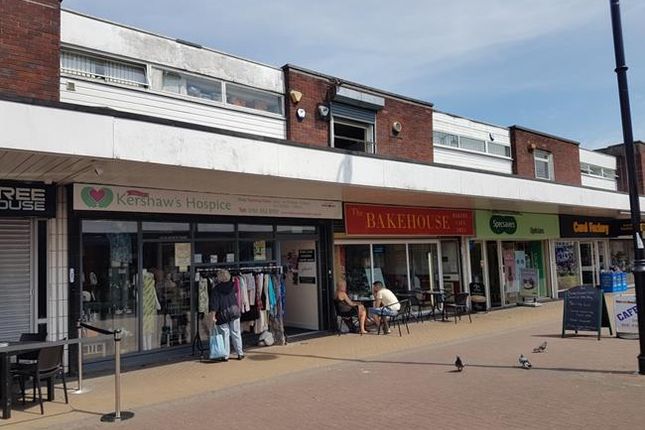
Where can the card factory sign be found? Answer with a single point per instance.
(23, 199)
(89, 197)
(407, 221)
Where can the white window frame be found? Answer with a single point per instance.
(78, 74)
(605, 172)
(367, 126)
(459, 146)
(547, 157)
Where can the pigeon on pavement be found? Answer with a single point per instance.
(459, 364)
(524, 362)
(541, 348)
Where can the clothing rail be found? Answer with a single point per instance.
(277, 268)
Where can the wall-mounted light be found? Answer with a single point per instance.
(295, 96)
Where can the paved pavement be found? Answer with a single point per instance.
(339, 382)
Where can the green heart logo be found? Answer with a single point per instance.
(97, 197)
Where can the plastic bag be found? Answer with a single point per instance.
(217, 345)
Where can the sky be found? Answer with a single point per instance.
(542, 64)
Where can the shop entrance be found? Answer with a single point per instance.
(588, 263)
(299, 258)
(494, 278)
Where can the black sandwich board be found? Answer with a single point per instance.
(585, 309)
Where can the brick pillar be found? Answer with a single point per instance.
(30, 48)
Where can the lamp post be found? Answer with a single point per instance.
(634, 203)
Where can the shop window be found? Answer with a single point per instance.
(621, 254)
(470, 144)
(252, 251)
(165, 230)
(166, 297)
(353, 263)
(353, 136)
(108, 278)
(252, 98)
(567, 264)
(391, 266)
(543, 164)
(255, 231)
(214, 252)
(524, 273)
(215, 231)
(424, 266)
(107, 70)
(296, 229)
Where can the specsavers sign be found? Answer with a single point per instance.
(517, 225)
(90, 197)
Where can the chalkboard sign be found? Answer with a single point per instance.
(585, 310)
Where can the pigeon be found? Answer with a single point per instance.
(524, 362)
(459, 364)
(541, 348)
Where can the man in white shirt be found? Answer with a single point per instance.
(385, 304)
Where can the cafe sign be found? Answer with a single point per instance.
(406, 221)
(107, 198)
(27, 199)
(517, 225)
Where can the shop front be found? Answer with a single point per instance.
(406, 248)
(24, 210)
(582, 251)
(510, 256)
(621, 247)
(147, 259)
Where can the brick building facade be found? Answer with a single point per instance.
(413, 142)
(565, 155)
(618, 151)
(29, 48)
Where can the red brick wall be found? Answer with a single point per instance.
(29, 48)
(618, 151)
(566, 156)
(414, 143)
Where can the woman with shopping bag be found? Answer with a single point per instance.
(226, 318)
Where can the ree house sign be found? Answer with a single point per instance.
(90, 197)
(520, 225)
(27, 199)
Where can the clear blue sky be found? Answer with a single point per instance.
(543, 64)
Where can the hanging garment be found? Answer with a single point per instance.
(271, 294)
(150, 304)
(259, 291)
(244, 294)
(283, 294)
(203, 296)
(250, 286)
(238, 292)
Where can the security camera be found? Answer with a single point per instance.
(323, 111)
(98, 171)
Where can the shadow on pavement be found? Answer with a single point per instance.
(484, 366)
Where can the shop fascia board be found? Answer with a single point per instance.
(70, 132)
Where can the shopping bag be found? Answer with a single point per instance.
(217, 345)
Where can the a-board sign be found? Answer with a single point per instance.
(585, 310)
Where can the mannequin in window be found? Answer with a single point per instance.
(150, 307)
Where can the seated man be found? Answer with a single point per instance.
(385, 304)
(345, 304)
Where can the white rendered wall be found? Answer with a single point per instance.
(106, 37)
(145, 102)
(597, 159)
(465, 127)
(596, 182)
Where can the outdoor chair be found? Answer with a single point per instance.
(30, 356)
(401, 317)
(350, 318)
(48, 365)
(459, 307)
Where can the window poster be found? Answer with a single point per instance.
(509, 268)
(529, 280)
(182, 254)
(260, 250)
(307, 266)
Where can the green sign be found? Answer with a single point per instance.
(528, 226)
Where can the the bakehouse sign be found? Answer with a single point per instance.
(406, 221)
(27, 199)
(108, 198)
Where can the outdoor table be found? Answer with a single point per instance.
(437, 297)
(15, 348)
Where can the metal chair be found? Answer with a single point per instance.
(459, 306)
(30, 356)
(49, 365)
(350, 317)
(400, 317)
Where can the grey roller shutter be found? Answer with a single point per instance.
(355, 113)
(15, 277)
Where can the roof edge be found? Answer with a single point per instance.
(541, 133)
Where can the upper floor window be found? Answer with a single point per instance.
(93, 67)
(253, 99)
(353, 135)
(598, 171)
(209, 89)
(543, 164)
(470, 144)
